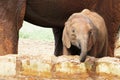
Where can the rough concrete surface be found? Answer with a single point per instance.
(42, 67)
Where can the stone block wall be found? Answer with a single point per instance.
(49, 67)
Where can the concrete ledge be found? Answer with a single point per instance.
(108, 65)
(31, 65)
(37, 67)
(8, 65)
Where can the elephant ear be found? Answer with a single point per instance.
(93, 34)
(92, 38)
(65, 38)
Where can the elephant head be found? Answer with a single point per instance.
(79, 31)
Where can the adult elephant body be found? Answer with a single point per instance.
(53, 14)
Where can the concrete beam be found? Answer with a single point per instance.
(46, 66)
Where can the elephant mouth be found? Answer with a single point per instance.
(74, 50)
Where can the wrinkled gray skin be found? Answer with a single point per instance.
(87, 31)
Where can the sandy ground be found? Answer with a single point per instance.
(27, 46)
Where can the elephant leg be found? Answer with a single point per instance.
(21, 13)
(8, 40)
(58, 41)
(112, 32)
(8, 36)
(10, 14)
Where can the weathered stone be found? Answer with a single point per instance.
(35, 65)
(108, 65)
(8, 65)
(69, 67)
(49, 67)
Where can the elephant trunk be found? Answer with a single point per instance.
(83, 53)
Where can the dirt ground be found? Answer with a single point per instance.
(27, 46)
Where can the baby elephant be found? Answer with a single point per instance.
(87, 32)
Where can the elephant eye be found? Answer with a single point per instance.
(73, 30)
(89, 33)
